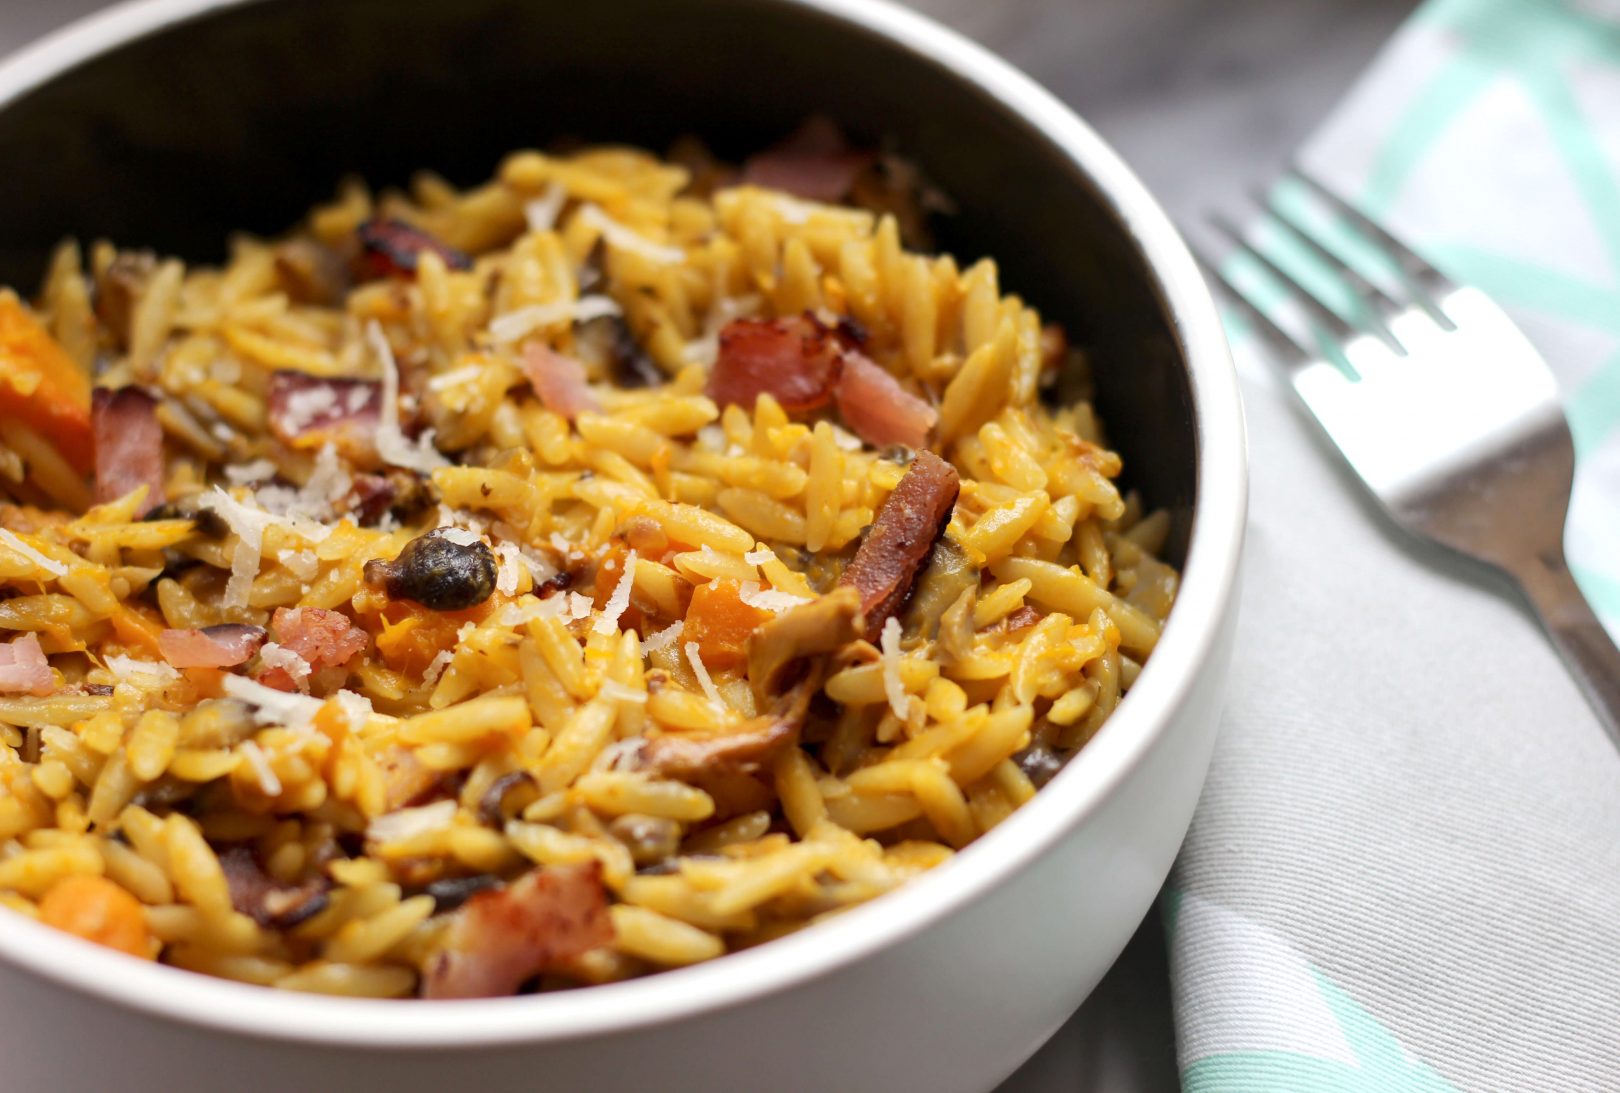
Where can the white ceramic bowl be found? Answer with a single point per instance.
(946, 985)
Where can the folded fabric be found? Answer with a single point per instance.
(1404, 873)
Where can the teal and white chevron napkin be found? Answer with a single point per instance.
(1405, 870)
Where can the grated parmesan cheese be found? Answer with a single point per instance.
(454, 378)
(712, 436)
(49, 565)
(356, 708)
(408, 823)
(541, 212)
(327, 483)
(618, 692)
(664, 638)
(517, 614)
(509, 566)
(518, 324)
(848, 441)
(272, 655)
(759, 557)
(794, 210)
(459, 536)
(623, 238)
(309, 404)
(710, 691)
(127, 668)
(579, 606)
(608, 621)
(705, 348)
(260, 470)
(303, 564)
(269, 784)
(393, 445)
(272, 707)
(768, 599)
(435, 668)
(890, 644)
(248, 523)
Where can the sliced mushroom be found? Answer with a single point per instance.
(266, 901)
(744, 749)
(949, 573)
(452, 892)
(823, 625)
(955, 638)
(437, 572)
(506, 796)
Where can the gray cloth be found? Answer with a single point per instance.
(1404, 872)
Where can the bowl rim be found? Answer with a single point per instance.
(1189, 640)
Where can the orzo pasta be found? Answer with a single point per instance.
(599, 570)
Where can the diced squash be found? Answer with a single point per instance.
(97, 909)
(720, 622)
(42, 386)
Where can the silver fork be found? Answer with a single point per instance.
(1450, 418)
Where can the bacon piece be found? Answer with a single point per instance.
(128, 445)
(392, 248)
(307, 412)
(815, 163)
(24, 669)
(795, 359)
(325, 639)
(558, 380)
(537, 923)
(878, 409)
(222, 646)
(901, 538)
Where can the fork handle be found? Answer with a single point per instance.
(1576, 632)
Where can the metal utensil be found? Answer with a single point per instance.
(1446, 412)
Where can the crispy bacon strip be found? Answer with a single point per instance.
(558, 380)
(815, 163)
(392, 248)
(901, 538)
(128, 445)
(794, 359)
(502, 937)
(222, 646)
(307, 412)
(878, 410)
(24, 669)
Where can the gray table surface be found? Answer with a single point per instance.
(1202, 98)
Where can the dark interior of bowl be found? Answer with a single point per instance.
(244, 117)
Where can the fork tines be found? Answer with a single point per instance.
(1309, 244)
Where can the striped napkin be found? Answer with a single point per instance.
(1405, 870)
